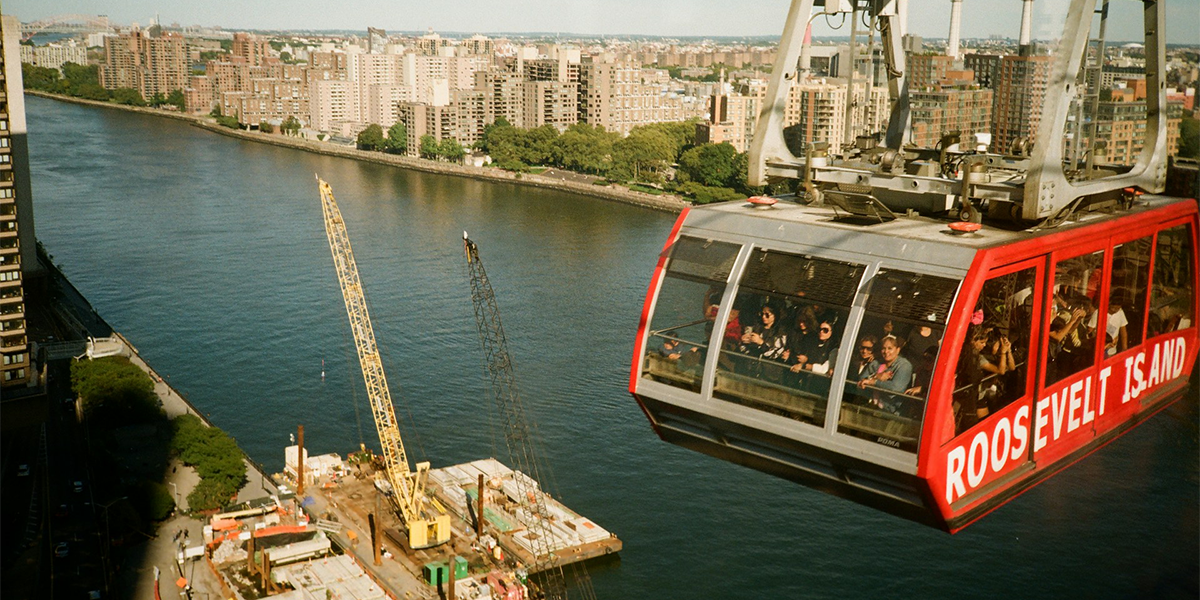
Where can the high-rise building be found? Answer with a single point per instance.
(550, 103)
(18, 247)
(151, 62)
(816, 112)
(615, 95)
(251, 48)
(1020, 90)
(984, 66)
(936, 113)
(732, 116)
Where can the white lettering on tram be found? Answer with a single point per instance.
(1061, 413)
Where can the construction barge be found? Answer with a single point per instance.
(255, 550)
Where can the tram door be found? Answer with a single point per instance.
(994, 382)
(1065, 411)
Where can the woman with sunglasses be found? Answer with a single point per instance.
(766, 339)
(816, 355)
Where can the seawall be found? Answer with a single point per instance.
(665, 202)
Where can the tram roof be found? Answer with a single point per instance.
(920, 239)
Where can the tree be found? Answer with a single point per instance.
(371, 138)
(290, 125)
(642, 155)
(177, 99)
(128, 96)
(81, 74)
(584, 148)
(709, 164)
(429, 147)
(1189, 137)
(451, 150)
(157, 100)
(266, 127)
(682, 135)
(705, 194)
(216, 457)
(537, 145)
(39, 78)
(114, 390)
(397, 138)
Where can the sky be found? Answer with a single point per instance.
(981, 18)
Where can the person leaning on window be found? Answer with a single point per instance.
(894, 374)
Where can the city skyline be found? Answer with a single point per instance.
(757, 18)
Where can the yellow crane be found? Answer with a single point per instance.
(425, 527)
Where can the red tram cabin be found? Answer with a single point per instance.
(927, 373)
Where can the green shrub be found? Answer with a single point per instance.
(215, 456)
(705, 194)
(112, 389)
(230, 122)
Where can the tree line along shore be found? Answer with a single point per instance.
(659, 166)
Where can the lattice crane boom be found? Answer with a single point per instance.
(518, 430)
(408, 486)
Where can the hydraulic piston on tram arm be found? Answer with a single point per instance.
(425, 527)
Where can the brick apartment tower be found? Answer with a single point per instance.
(151, 62)
(18, 247)
(1020, 90)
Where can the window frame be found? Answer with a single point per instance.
(1133, 235)
(1035, 361)
(1056, 257)
(1159, 229)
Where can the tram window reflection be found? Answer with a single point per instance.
(895, 355)
(686, 310)
(1171, 292)
(792, 311)
(993, 367)
(1127, 297)
(1072, 331)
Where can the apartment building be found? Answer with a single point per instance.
(549, 103)
(18, 246)
(54, 56)
(938, 112)
(151, 62)
(1121, 124)
(816, 112)
(733, 115)
(1020, 89)
(616, 96)
(504, 93)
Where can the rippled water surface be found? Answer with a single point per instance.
(210, 255)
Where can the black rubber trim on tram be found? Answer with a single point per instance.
(1159, 400)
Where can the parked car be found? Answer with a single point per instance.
(61, 550)
(23, 471)
(63, 511)
(78, 487)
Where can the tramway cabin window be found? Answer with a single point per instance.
(993, 366)
(1171, 294)
(789, 316)
(1071, 341)
(896, 350)
(686, 311)
(1126, 316)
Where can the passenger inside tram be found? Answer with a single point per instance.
(1171, 294)
(992, 368)
(894, 374)
(924, 372)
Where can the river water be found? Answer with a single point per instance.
(209, 253)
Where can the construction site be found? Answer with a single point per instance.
(374, 525)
